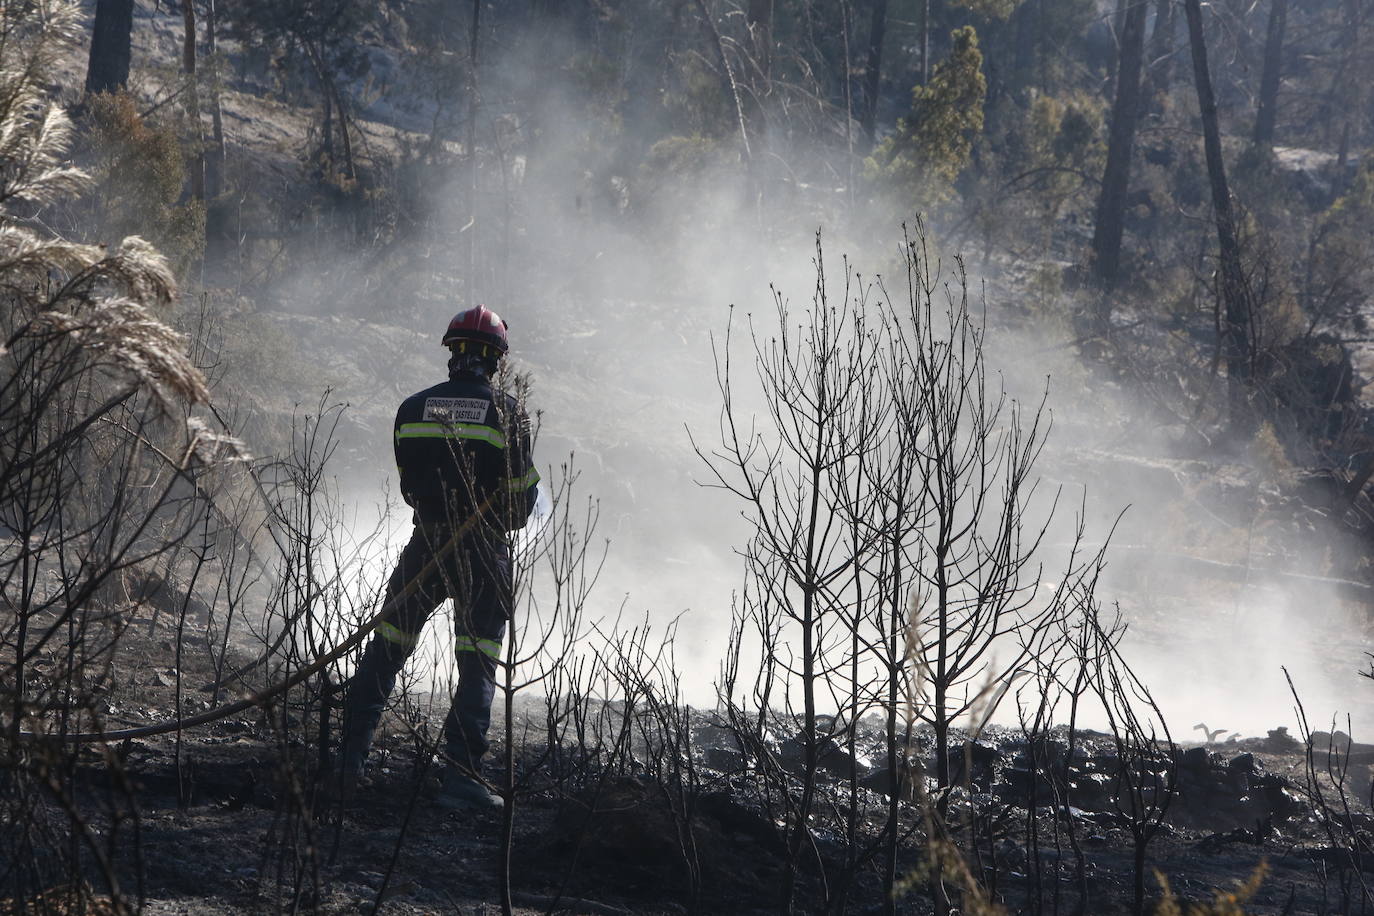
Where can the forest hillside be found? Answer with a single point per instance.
(941, 406)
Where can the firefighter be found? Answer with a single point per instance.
(463, 449)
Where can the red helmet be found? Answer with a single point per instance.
(478, 324)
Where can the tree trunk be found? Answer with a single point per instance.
(350, 166)
(925, 42)
(214, 163)
(1119, 24)
(731, 86)
(474, 104)
(327, 119)
(188, 69)
(1111, 202)
(877, 30)
(759, 19)
(1234, 291)
(1352, 82)
(1162, 48)
(848, 105)
(111, 41)
(1272, 74)
(1027, 16)
(217, 232)
(1138, 877)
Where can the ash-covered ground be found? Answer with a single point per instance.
(228, 818)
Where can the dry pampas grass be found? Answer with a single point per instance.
(92, 303)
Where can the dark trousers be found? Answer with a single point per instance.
(477, 575)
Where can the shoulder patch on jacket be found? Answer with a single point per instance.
(456, 410)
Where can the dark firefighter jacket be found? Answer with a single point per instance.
(461, 444)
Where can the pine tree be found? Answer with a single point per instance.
(1110, 224)
(932, 145)
(111, 46)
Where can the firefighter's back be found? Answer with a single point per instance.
(450, 448)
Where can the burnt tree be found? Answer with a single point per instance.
(1111, 202)
(1234, 291)
(877, 31)
(188, 69)
(1269, 79)
(1026, 18)
(925, 42)
(322, 33)
(1347, 90)
(1162, 48)
(217, 211)
(732, 88)
(111, 41)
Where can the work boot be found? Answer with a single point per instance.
(340, 784)
(461, 790)
(353, 753)
(364, 697)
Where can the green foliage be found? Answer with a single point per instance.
(1278, 319)
(1036, 164)
(1061, 25)
(695, 104)
(138, 170)
(1061, 147)
(682, 156)
(324, 30)
(1069, 129)
(1341, 267)
(1356, 205)
(932, 145)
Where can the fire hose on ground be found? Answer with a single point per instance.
(263, 697)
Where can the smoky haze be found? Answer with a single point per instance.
(618, 285)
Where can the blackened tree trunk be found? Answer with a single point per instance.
(925, 42)
(1162, 48)
(1351, 81)
(474, 226)
(1273, 70)
(188, 69)
(759, 19)
(111, 43)
(728, 73)
(1027, 21)
(217, 232)
(327, 118)
(214, 162)
(1111, 202)
(1234, 289)
(877, 32)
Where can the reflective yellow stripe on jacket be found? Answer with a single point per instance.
(472, 431)
(522, 483)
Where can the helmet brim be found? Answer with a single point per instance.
(490, 340)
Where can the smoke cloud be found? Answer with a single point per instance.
(618, 286)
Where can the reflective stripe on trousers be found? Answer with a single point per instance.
(489, 647)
